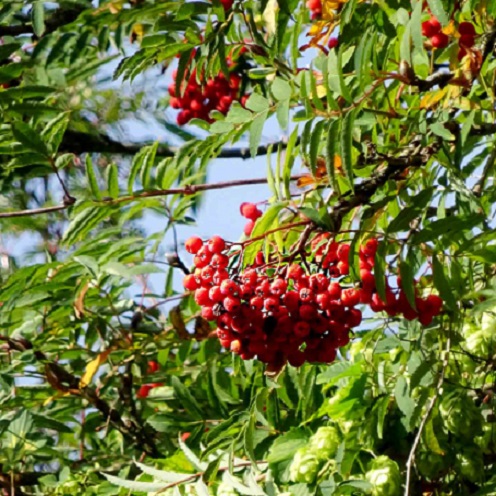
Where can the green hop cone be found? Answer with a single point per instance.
(384, 475)
(304, 466)
(487, 442)
(461, 416)
(470, 464)
(225, 490)
(324, 443)
(431, 465)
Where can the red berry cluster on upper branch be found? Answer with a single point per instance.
(198, 99)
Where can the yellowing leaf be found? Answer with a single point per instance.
(269, 17)
(432, 98)
(92, 368)
(178, 323)
(137, 32)
(79, 301)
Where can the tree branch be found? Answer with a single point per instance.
(62, 380)
(79, 142)
(59, 18)
(425, 418)
(187, 190)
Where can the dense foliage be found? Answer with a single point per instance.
(343, 344)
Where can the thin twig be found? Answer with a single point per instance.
(425, 418)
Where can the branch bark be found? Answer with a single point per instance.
(79, 142)
(59, 378)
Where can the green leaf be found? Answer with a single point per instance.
(442, 284)
(38, 17)
(144, 487)
(113, 181)
(29, 137)
(54, 131)
(256, 129)
(162, 475)
(332, 143)
(286, 445)
(281, 89)
(257, 103)
(405, 403)
(186, 398)
(437, 9)
(268, 221)
(439, 130)
(91, 176)
(407, 282)
(346, 147)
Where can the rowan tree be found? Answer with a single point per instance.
(342, 343)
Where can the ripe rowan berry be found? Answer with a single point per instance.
(229, 287)
(190, 282)
(295, 272)
(216, 244)
(193, 245)
(440, 40)
(271, 304)
(301, 329)
(350, 297)
(334, 290)
(250, 211)
(248, 229)
(152, 367)
(466, 28)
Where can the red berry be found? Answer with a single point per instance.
(202, 297)
(257, 303)
(229, 288)
(467, 41)
(368, 280)
(144, 390)
(436, 25)
(343, 268)
(278, 287)
(370, 247)
(333, 42)
(334, 290)
(343, 252)
(306, 295)
(350, 297)
(231, 303)
(216, 244)
(440, 40)
(250, 211)
(152, 367)
(193, 245)
(429, 29)
(434, 304)
(248, 229)
(219, 261)
(354, 317)
(295, 272)
(190, 282)
(271, 304)
(466, 28)
(308, 312)
(215, 294)
(301, 329)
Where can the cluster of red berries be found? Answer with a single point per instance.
(396, 302)
(198, 99)
(251, 212)
(292, 316)
(432, 29)
(289, 314)
(145, 389)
